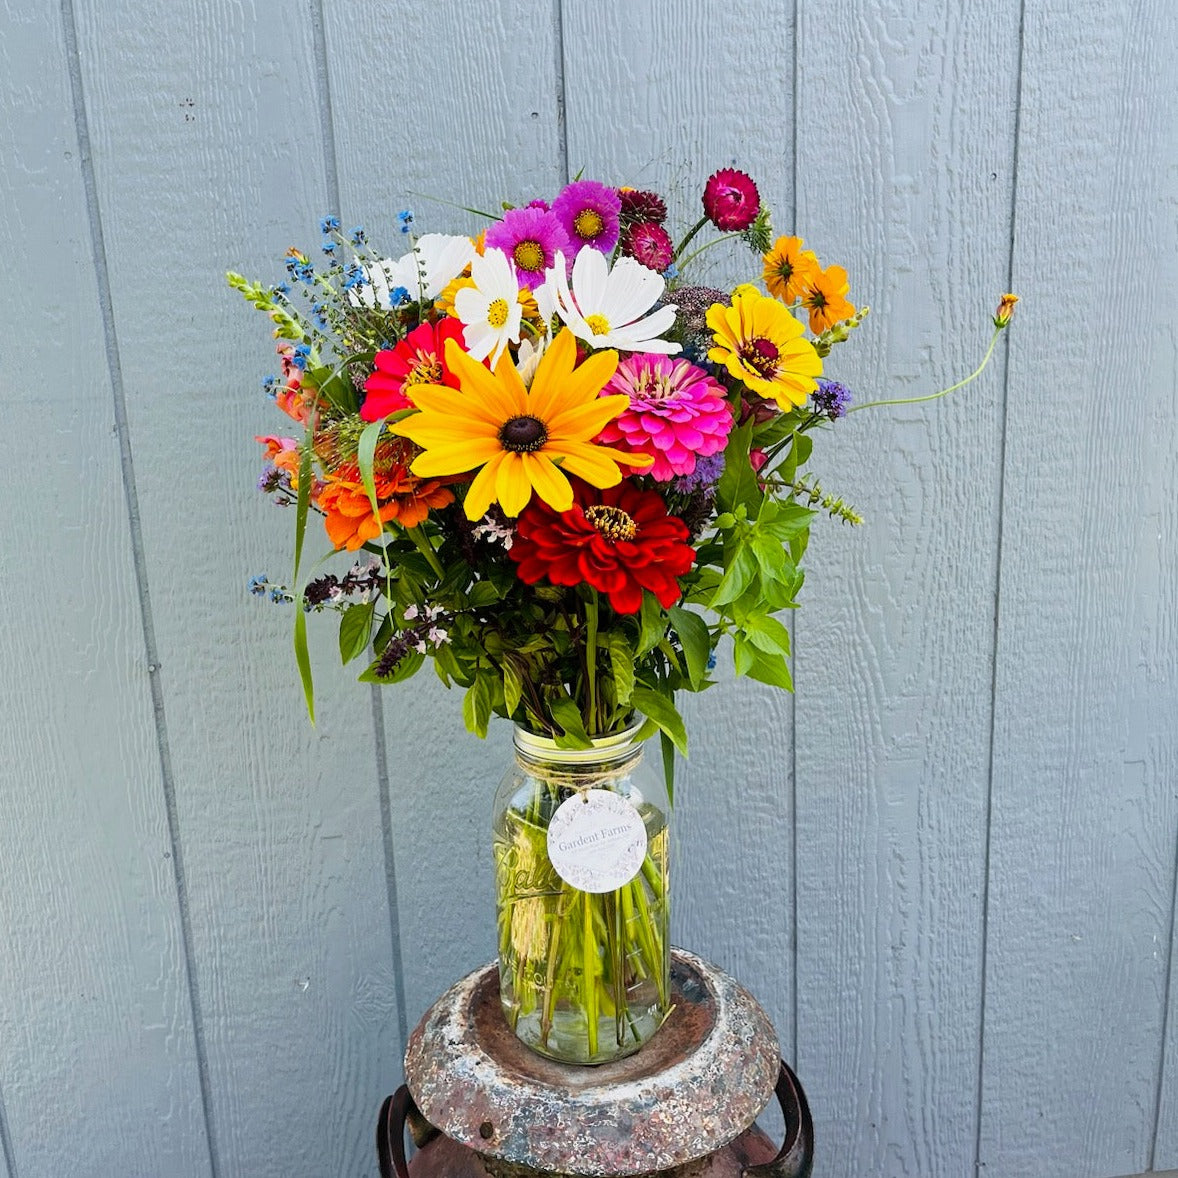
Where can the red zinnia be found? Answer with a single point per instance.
(619, 540)
(731, 200)
(418, 359)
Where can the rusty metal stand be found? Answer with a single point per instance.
(479, 1104)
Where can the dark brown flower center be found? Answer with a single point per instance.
(761, 356)
(523, 434)
(612, 522)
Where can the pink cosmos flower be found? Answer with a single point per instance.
(677, 413)
(590, 214)
(731, 201)
(531, 238)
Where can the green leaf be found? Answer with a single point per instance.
(336, 387)
(302, 504)
(621, 662)
(655, 706)
(756, 664)
(767, 634)
(355, 626)
(476, 705)
(366, 457)
(513, 687)
(566, 713)
(668, 749)
(483, 593)
(303, 656)
(408, 666)
(737, 578)
(652, 624)
(738, 484)
(696, 640)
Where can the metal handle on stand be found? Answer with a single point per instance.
(796, 1155)
(398, 1111)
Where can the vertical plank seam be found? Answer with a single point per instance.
(390, 863)
(1157, 1106)
(380, 747)
(562, 131)
(131, 500)
(6, 1141)
(793, 699)
(994, 647)
(326, 115)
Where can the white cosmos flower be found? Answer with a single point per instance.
(435, 260)
(529, 357)
(490, 310)
(606, 307)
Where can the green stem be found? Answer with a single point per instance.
(589, 974)
(591, 617)
(707, 245)
(944, 392)
(690, 234)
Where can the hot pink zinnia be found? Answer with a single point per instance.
(731, 200)
(677, 413)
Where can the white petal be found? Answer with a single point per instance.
(480, 338)
(634, 289)
(471, 305)
(590, 281)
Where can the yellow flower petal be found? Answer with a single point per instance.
(555, 366)
(594, 464)
(455, 457)
(550, 484)
(466, 406)
(481, 493)
(501, 398)
(512, 487)
(589, 419)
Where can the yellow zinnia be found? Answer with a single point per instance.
(521, 438)
(761, 344)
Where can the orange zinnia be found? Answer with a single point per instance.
(350, 521)
(825, 296)
(788, 268)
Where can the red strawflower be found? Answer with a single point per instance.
(418, 359)
(649, 244)
(619, 540)
(731, 200)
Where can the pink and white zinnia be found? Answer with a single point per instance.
(677, 413)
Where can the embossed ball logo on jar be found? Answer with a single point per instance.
(596, 841)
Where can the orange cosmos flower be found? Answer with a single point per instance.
(788, 268)
(824, 294)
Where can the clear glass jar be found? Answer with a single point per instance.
(584, 975)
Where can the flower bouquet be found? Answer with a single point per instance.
(572, 473)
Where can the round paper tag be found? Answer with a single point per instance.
(597, 841)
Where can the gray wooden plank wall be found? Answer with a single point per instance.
(947, 867)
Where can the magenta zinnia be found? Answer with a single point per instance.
(531, 238)
(677, 413)
(589, 213)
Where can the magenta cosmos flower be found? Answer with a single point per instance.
(531, 238)
(731, 200)
(590, 214)
(677, 413)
